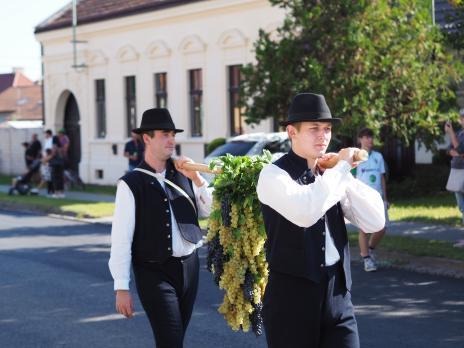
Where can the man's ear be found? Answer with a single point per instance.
(291, 131)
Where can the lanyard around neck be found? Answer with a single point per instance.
(170, 183)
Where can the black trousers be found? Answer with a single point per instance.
(167, 292)
(300, 313)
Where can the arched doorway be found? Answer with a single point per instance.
(73, 130)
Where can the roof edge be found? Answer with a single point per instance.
(117, 14)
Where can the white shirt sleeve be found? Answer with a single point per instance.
(363, 206)
(303, 205)
(122, 233)
(204, 198)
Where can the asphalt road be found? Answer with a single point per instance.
(56, 291)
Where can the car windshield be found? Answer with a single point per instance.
(235, 148)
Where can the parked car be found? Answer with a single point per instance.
(253, 144)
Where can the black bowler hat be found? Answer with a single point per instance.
(156, 119)
(309, 107)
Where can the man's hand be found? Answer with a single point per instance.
(453, 153)
(124, 304)
(448, 127)
(192, 175)
(347, 155)
(325, 157)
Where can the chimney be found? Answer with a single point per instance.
(18, 69)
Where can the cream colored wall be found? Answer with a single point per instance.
(210, 35)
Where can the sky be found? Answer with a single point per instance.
(18, 46)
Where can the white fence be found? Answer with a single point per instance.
(11, 151)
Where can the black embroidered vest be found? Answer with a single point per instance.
(153, 231)
(300, 251)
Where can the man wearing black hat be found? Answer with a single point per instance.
(155, 228)
(307, 301)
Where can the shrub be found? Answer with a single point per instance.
(214, 144)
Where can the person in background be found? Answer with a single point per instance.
(456, 151)
(64, 143)
(27, 155)
(133, 150)
(56, 163)
(372, 173)
(35, 147)
(48, 143)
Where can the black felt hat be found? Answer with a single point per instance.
(156, 119)
(309, 107)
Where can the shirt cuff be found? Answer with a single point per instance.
(121, 284)
(343, 166)
(200, 189)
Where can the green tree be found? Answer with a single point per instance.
(379, 63)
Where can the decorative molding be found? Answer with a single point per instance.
(127, 53)
(97, 57)
(158, 49)
(192, 44)
(232, 38)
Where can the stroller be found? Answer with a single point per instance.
(22, 184)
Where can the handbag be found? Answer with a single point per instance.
(455, 180)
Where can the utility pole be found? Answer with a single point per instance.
(74, 40)
(433, 12)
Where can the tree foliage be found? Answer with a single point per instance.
(379, 64)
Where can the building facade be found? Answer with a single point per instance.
(184, 55)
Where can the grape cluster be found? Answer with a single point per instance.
(248, 286)
(225, 210)
(236, 240)
(215, 259)
(256, 318)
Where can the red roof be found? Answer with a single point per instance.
(89, 11)
(22, 102)
(15, 79)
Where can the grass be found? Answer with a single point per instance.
(98, 189)
(416, 246)
(5, 179)
(440, 208)
(76, 208)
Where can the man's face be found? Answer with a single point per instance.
(161, 146)
(367, 142)
(311, 139)
(135, 136)
(47, 135)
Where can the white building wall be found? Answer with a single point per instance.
(209, 35)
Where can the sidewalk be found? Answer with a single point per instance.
(422, 230)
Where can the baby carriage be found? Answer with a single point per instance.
(22, 184)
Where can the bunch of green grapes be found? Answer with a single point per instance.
(236, 239)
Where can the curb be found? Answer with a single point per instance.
(50, 213)
(419, 264)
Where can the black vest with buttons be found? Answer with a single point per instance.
(298, 251)
(152, 240)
